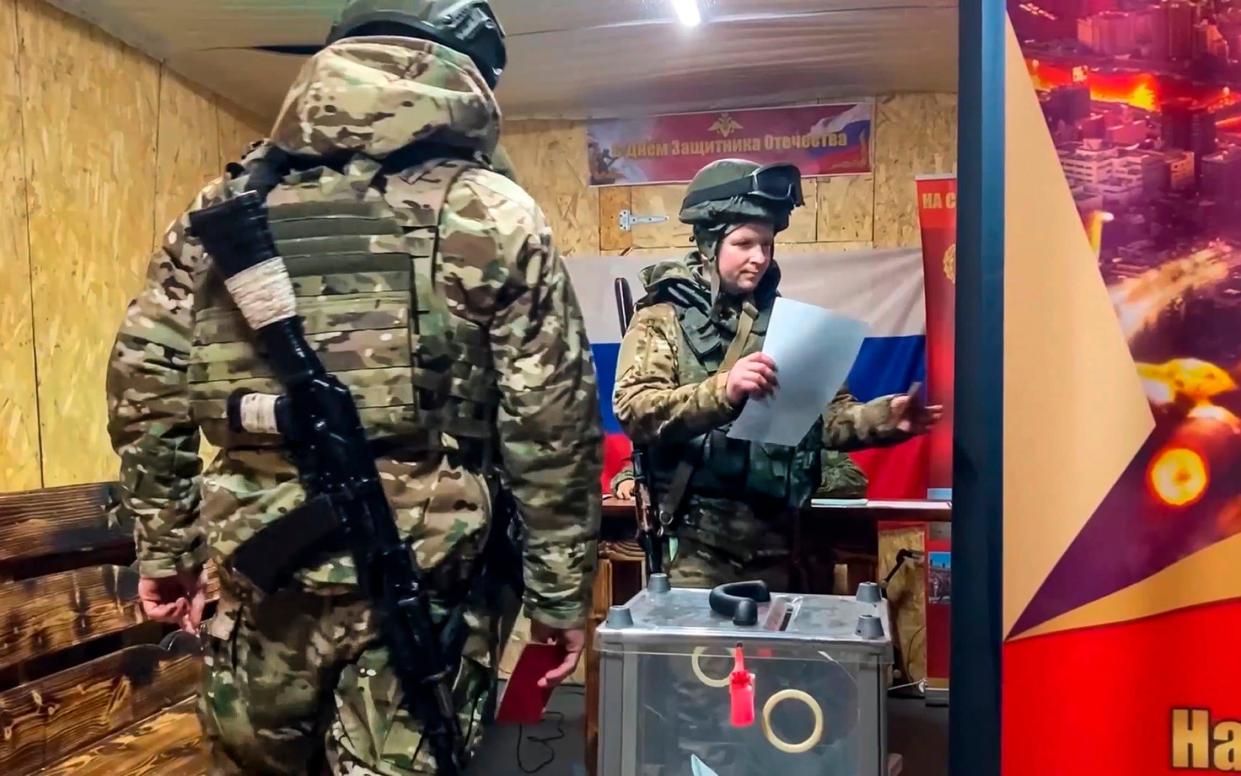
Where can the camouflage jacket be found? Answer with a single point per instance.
(499, 271)
(841, 477)
(653, 408)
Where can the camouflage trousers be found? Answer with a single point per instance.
(298, 683)
(721, 541)
(701, 565)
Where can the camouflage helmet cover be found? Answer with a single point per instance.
(467, 26)
(736, 207)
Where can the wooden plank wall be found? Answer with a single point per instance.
(913, 134)
(101, 148)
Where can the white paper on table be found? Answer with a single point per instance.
(813, 350)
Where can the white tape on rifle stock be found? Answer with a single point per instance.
(258, 413)
(263, 293)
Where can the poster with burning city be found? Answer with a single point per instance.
(819, 139)
(1143, 102)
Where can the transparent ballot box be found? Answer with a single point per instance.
(738, 681)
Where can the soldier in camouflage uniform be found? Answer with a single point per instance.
(690, 360)
(841, 478)
(431, 286)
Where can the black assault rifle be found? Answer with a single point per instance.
(650, 529)
(345, 501)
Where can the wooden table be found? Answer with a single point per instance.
(935, 511)
(850, 530)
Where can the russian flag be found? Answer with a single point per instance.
(854, 124)
(882, 287)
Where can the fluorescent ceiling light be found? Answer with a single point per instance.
(687, 12)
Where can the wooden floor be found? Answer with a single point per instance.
(168, 743)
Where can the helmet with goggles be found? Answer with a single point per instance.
(734, 190)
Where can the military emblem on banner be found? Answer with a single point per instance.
(725, 125)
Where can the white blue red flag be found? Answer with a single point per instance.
(881, 287)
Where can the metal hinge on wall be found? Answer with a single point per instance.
(628, 220)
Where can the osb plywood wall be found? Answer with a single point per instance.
(101, 148)
(914, 134)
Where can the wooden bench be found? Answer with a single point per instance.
(87, 685)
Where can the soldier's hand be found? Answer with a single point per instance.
(179, 600)
(753, 375)
(196, 589)
(571, 640)
(624, 489)
(912, 416)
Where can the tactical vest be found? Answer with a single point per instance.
(364, 265)
(725, 468)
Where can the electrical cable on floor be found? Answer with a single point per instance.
(544, 741)
(917, 684)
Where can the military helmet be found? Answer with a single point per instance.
(732, 190)
(467, 26)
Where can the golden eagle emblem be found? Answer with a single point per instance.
(950, 263)
(725, 125)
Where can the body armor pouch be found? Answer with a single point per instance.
(366, 286)
(714, 465)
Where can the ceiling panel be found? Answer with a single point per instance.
(615, 72)
(577, 58)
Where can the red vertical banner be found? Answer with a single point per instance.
(937, 213)
(938, 568)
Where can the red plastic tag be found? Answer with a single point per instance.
(741, 692)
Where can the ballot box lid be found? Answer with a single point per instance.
(662, 616)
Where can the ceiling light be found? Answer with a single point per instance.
(687, 12)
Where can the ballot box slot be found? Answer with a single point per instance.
(781, 613)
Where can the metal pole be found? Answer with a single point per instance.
(978, 484)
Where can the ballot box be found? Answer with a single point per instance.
(740, 681)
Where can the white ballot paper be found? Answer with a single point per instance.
(813, 349)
